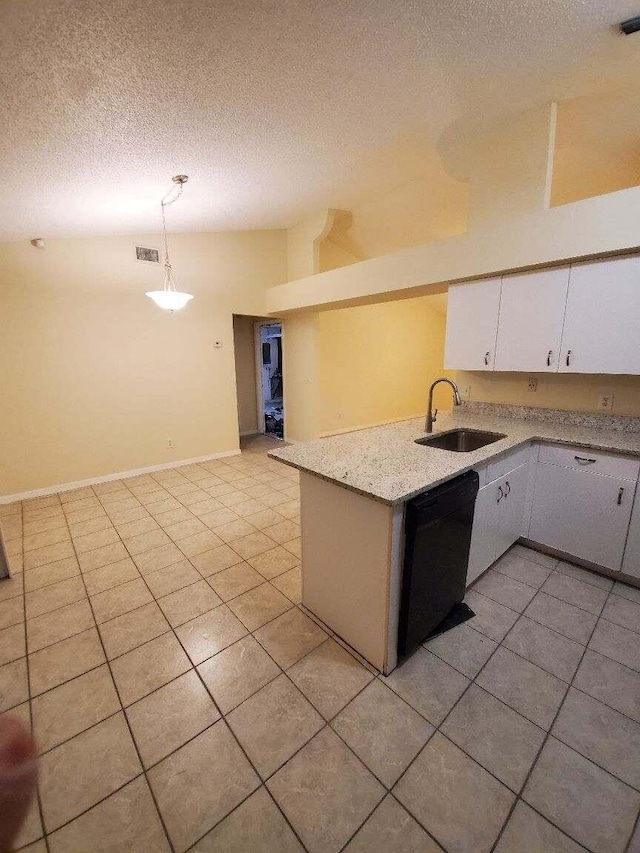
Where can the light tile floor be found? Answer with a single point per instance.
(182, 698)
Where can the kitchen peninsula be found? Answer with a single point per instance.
(355, 488)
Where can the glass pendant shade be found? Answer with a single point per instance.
(170, 300)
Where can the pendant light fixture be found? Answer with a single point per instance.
(169, 298)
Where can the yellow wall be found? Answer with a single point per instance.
(94, 378)
(300, 355)
(579, 393)
(597, 146)
(245, 355)
(332, 256)
(510, 168)
(427, 208)
(303, 243)
(377, 362)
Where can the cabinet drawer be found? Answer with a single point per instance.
(506, 463)
(593, 461)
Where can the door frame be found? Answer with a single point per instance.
(258, 356)
(257, 346)
(4, 560)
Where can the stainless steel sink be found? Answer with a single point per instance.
(460, 440)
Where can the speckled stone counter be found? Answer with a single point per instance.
(387, 465)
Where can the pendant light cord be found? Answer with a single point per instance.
(168, 280)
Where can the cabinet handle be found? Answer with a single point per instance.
(620, 494)
(549, 354)
(508, 492)
(568, 357)
(501, 494)
(584, 460)
(486, 357)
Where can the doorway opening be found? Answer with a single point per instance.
(269, 378)
(257, 344)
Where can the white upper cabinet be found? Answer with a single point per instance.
(531, 316)
(583, 318)
(472, 325)
(602, 322)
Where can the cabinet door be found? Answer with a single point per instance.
(631, 561)
(472, 324)
(602, 323)
(510, 525)
(585, 515)
(482, 552)
(531, 315)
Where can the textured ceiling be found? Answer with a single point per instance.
(272, 107)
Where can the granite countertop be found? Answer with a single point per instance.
(387, 465)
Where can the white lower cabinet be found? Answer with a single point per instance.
(511, 509)
(581, 513)
(631, 559)
(498, 519)
(484, 531)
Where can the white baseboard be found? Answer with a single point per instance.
(247, 432)
(370, 426)
(107, 478)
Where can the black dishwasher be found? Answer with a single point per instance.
(437, 539)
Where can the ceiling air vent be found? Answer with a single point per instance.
(145, 253)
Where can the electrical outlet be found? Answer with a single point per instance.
(533, 383)
(606, 402)
(169, 443)
(466, 392)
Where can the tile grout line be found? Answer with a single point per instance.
(327, 724)
(547, 734)
(226, 723)
(564, 681)
(363, 688)
(541, 589)
(37, 795)
(437, 731)
(126, 720)
(555, 630)
(146, 642)
(542, 746)
(241, 747)
(202, 577)
(239, 744)
(635, 828)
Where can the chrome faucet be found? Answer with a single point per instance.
(431, 415)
